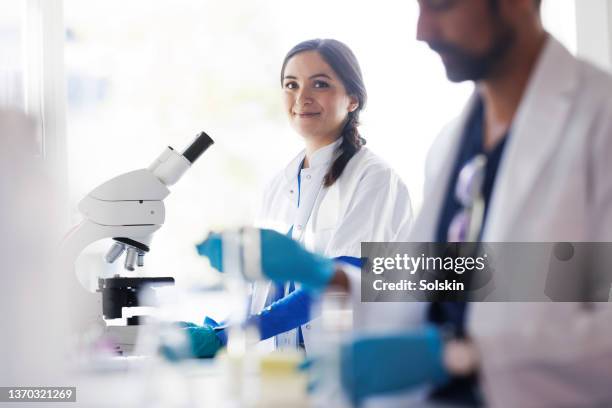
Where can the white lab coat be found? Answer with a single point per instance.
(554, 183)
(369, 202)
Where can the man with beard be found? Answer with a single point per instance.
(525, 162)
(528, 160)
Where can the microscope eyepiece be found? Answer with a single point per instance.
(199, 146)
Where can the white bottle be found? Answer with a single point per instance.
(335, 328)
(241, 265)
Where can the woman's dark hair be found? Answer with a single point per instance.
(342, 60)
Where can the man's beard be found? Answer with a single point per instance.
(462, 65)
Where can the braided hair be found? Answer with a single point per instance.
(344, 63)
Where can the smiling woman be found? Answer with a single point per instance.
(324, 94)
(334, 194)
(331, 197)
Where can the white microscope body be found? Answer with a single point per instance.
(128, 208)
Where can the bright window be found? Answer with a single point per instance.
(12, 92)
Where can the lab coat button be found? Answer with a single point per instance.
(308, 177)
(298, 227)
(307, 327)
(290, 191)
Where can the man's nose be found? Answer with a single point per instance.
(426, 27)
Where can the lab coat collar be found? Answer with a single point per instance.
(534, 136)
(324, 155)
(445, 147)
(321, 157)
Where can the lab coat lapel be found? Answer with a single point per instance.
(442, 155)
(534, 136)
(291, 171)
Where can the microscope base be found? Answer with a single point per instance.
(124, 338)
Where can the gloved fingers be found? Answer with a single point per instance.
(210, 322)
(392, 363)
(189, 341)
(174, 342)
(182, 324)
(203, 340)
(212, 248)
(284, 259)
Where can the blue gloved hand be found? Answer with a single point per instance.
(211, 248)
(282, 259)
(385, 364)
(202, 341)
(222, 333)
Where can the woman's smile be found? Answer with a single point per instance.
(307, 115)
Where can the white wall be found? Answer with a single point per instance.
(594, 31)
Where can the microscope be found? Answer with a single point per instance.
(129, 209)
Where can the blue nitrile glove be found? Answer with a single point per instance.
(285, 314)
(282, 259)
(221, 334)
(202, 341)
(395, 363)
(211, 248)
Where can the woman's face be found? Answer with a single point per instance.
(315, 98)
